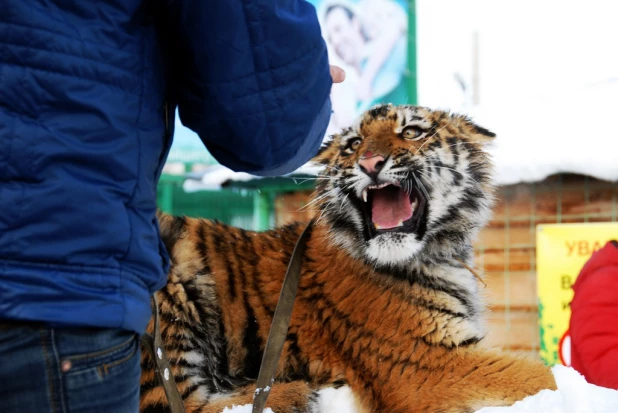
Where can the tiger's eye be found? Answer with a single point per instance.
(411, 133)
(352, 145)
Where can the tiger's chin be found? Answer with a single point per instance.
(393, 248)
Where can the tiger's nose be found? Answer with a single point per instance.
(371, 164)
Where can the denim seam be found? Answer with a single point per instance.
(58, 372)
(50, 381)
(116, 363)
(101, 352)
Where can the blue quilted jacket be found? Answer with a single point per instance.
(87, 95)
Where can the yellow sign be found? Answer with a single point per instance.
(561, 252)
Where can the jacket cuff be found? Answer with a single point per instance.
(308, 149)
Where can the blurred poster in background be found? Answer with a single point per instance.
(368, 39)
(561, 252)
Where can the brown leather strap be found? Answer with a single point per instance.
(154, 345)
(280, 323)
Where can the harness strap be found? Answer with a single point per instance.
(154, 345)
(281, 321)
(274, 344)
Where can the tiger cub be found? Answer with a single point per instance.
(386, 307)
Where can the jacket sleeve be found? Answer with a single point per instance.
(252, 80)
(593, 326)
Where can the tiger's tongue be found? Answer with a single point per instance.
(390, 207)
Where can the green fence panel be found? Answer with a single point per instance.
(228, 206)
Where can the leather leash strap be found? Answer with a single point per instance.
(154, 345)
(281, 321)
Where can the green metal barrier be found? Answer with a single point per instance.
(232, 207)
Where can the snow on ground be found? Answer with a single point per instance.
(330, 400)
(339, 400)
(246, 408)
(574, 395)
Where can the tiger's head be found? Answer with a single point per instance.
(405, 183)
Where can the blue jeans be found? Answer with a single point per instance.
(62, 370)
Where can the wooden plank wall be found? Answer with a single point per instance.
(506, 249)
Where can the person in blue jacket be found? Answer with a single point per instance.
(88, 92)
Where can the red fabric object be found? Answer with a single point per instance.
(594, 319)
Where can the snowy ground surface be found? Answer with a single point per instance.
(243, 409)
(574, 395)
(330, 401)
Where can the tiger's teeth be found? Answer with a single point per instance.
(400, 224)
(365, 195)
(377, 226)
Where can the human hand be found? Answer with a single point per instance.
(337, 73)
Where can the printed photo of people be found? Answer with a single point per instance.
(368, 39)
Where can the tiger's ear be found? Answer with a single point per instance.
(479, 133)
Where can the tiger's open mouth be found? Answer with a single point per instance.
(391, 208)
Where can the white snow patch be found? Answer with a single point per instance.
(329, 401)
(574, 395)
(339, 400)
(245, 408)
(543, 137)
(216, 176)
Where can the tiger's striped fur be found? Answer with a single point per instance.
(392, 313)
